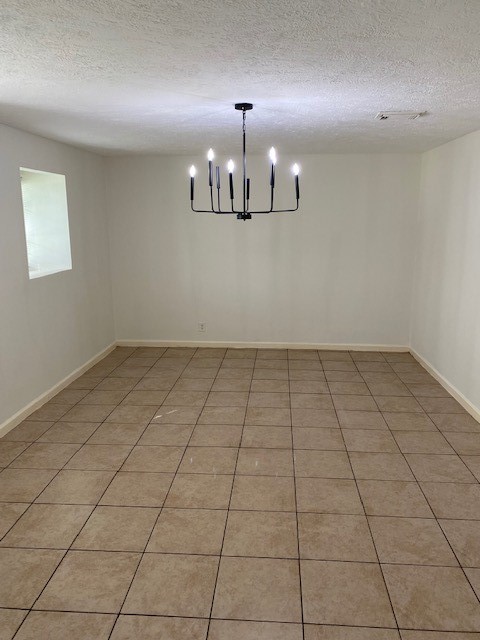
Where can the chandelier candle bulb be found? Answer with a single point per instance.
(210, 156)
(193, 171)
(296, 171)
(230, 167)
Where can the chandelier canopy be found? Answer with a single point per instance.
(243, 213)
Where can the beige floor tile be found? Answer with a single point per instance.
(269, 399)
(369, 440)
(367, 356)
(117, 529)
(104, 397)
(473, 463)
(340, 365)
(225, 384)
(361, 420)
(186, 398)
(232, 363)
(314, 418)
(303, 374)
(242, 374)
(386, 374)
(58, 625)
(89, 413)
(118, 384)
(261, 534)
(437, 635)
(343, 376)
(265, 462)
(10, 620)
(262, 493)
(208, 460)
(272, 354)
(304, 365)
(173, 585)
(195, 531)
(354, 403)
(331, 355)
(455, 422)
(322, 464)
(117, 433)
(318, 438)
(305, 386)
(27, 431)
(227, 399)
(411, 541)
(50, 412)
(216, 435)
(145, 398)
(195, 384)
(428, 390)
(45, 455)
(132, 489)
(268, 417)
(322, 632)
(473, 576)
(159, 628)
(402, 404)
(258, 589)
(23, 485)
(380, 466)
(166, 434)
(176, 415)
(335, 537)
(439, 468)
(246, 630)
(200, 491)
(396, 388)
(422, 442)
(441, 405)
(24, 574)
(222, 415)
(51, 526)
(129, 414)
(303, 354)
(385, 498)
(464, 537)
(409, 422)
(99, 457)
(345, 593)
(458, 501)
(464, 443)
(86, 382)
(432, 598)
(311, 401)
(11, 450)
(70, 432)
(76, 487)
(160, 382)
(349, 388)
(93, 581)
(320, 495)
(155, 459)
(261, 373)
(10, 512)
(267, 437)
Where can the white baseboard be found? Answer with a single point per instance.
(12, 422)
(263, 345)
(452, 390)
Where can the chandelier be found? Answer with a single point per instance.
(243, 213)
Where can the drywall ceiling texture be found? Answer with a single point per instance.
(339, 271)
(446, 309)
(161, 77)
(50, 326)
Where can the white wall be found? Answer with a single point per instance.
(338, 272)
(52, 325)
(446, 303)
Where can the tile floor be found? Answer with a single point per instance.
(243, 495)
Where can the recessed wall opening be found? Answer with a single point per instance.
(45, 214)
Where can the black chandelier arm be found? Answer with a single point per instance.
(237, 212)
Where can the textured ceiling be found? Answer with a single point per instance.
(160, 76)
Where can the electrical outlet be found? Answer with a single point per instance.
(202, 326)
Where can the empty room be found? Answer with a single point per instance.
(240, 320)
